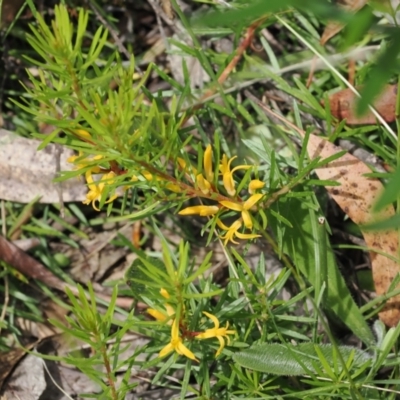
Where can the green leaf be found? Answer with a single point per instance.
(385, 66)
(303, 243)
(391, 192)
(292, 360)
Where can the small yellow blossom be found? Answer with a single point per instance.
(162, 316)
(164, 293)
(203, 211)
(207, 162)
(96, 189)
(232, 231)
(183, 165)
(166, 315)
(255, 184)
(176, 344)
(83, 133)
(243, 208)
(217, 332)
(227, 174)
(203, 184)
(147, 175)
(173, 188)
(83, 162)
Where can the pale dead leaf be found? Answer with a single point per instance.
(335, 27)
(356, 196)
(26, 173)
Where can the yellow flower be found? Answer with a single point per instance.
(176, 344)
(83, 133)
(232, 231)
(207, 162)
(164, 293)
(203, 211)
(217, 332)
(255, 184)
(96, 189)
(203, 184)
(162, 316)
(227, 174)
(166, 315)
(83, 162)
(183, 165)
(173, 188)
(243, 208)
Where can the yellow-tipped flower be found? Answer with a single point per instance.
(255, 184)
(183, 165)
(83, 162)
(82, 133)
(232, 231)
(203, 184)
(203, 211)
(96, 189)
(162, 316)
(207, 163)
(227, 174)
(243, 208)
(176, 344)
(164, 293)
(217, 332)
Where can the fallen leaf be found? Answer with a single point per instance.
(26, 173)
(343, 106)
(335, 27)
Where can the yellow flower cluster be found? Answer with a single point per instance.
(176, 342)
(205, 184)
(96, 188)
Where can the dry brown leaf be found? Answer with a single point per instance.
(26, 173)
(356, 196)
(343, 106)
(334, 27)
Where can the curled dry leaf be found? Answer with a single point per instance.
(26, 173)
(343, 106)
(356, 195)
